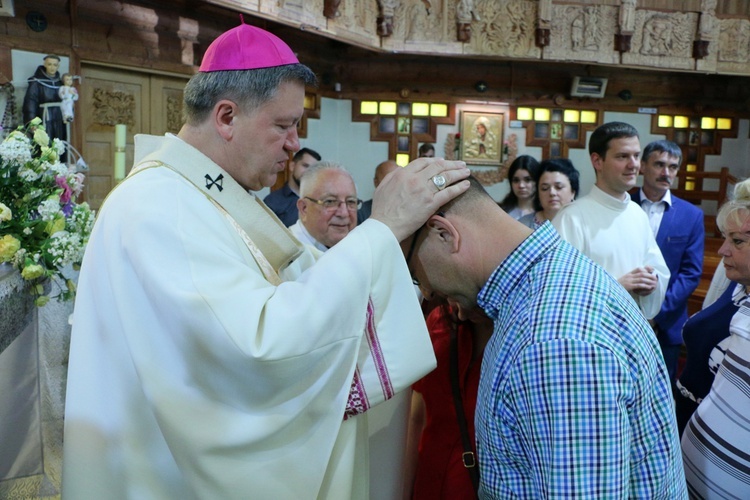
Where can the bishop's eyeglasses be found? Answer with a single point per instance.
(334, 203)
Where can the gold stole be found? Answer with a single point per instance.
(272, 245)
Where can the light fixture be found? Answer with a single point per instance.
(588, 86)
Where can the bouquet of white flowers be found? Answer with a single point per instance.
(42, 228)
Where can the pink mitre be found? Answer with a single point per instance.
(246, 47)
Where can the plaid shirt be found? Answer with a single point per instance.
(574, 399)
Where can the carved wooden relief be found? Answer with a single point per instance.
(174, 114)
(621, 32)
(663, 40)
(505, 30)
(583, 33)
(112, 107)
(734, 46)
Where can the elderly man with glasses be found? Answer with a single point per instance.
(327, 205)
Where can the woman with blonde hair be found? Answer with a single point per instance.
(717, 437)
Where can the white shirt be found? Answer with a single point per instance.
(655, 209)
(303, 235)
(616, 235)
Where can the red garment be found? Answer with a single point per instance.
(440, 472)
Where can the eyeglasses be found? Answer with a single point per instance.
(334, 203)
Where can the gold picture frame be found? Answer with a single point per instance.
(481, 140)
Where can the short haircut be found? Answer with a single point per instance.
(662, 146)
(308, 180)
(249, 89)
(474, 201)
(306, 151)
(562, 165)
(469, 200)
(737, 209)
(599, 141)
(426, 147)
(51, 56)
(523, 162)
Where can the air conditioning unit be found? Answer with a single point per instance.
(588, 86)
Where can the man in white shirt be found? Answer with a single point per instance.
(327, 206)
(611, 230)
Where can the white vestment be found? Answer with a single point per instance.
(616, 235)
(193, 376)
(303, 235)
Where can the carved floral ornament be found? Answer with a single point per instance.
(113, 106)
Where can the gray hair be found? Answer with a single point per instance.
(736, 209)
(310, 177)
(248, 88)
(662, 146)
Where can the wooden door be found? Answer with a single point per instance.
(145, 103)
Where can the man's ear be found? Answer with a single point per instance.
(302, 208)
(447, 232)
(225, 113)
(597, 162)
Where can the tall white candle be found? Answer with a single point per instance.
(120, 134)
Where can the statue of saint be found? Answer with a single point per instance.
(44, 87)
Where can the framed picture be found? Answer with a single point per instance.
(481, 138)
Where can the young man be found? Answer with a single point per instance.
(608, 228)
(678, 228)
(574, 399)
(203, 362)
(327, 206)
(283, 201)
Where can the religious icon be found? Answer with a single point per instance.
(555, 131)
(403, 125)
(481, 138)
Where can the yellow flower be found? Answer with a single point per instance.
(5, 213)
(35, 121)
(55, 225)
(49, 154)
(41, 301)
(8, 247)
(32, 272)
(41, 137)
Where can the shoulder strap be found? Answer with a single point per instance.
(468, 457)
(278, 245)
(261, 225)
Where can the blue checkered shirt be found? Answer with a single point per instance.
(574, 399)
